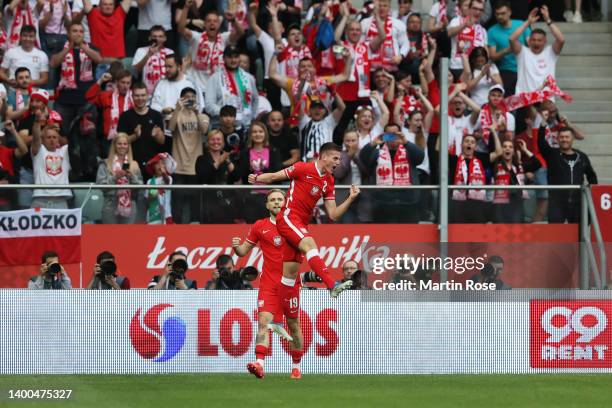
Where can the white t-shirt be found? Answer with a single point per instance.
(200, 77)
(480, 93)
(139, 55)
(401, 45)
(168, 92)
(51, 168)
(77, 6)
(480, 40)
(267, 44)
(534, 68)
(455, 131)
(36, 61)
(411, 138)
(376, 131)
(155, 12)
(315, 134)
(435, 12)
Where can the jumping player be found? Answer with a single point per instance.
(309, 182)
(269, 307)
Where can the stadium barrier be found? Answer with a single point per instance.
(52, 332)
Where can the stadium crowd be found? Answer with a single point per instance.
(208, 92)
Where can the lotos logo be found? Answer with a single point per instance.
(571, 334)
(147, 340)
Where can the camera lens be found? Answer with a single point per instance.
(179, 266)
(54, 268)
(108, 267)
(233, 139)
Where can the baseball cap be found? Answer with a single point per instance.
(498, 87)
(230, 51)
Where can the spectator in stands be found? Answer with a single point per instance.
(54, 22)
(231, 85)
(283, 138)
(159, 201)
(106, 24)
(233, 134)
(20, 13)
(392, 160)
(25, 55)
(79, 16)
(50, 159)
(52, 274)
(555, 122)
(466, 33)
(215, 167)
(479, 75)
(538, 61)
(119, 168)
(105, 275)
(384, 84)
(257, 157)
(509, 170)
(150, 61)
(207, 47)
(348, 269)
(460, 124)
(366, 124)
(404, 11)
(395, 45)
(499, 44)
(70, 93)
(494, 109)
(112, 104)
(419, 47)
(453, 9)
(144, 127)
(352, 171)
(317, 126)
(18, 97)
(168, 90)
(470, 168)
(195, 20)
(491, 273)
(154, 13)
(188, 128)
(174, 274)
(356, 90)
(438, 20)
(566, 165)
(8, 156)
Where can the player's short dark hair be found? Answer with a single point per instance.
(27, 29)
(274, 190)
(22, 69)
(329, 147)
(48, 254)
(104, 256)
(223, 260)
(503, 3)
(538, 31)
(227, 110)
(174, 254)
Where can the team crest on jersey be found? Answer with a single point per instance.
(277, 241)
(315, 190)
(261, 303)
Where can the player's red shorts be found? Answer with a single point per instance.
(269, 300)
(293, 231)
(291, 302)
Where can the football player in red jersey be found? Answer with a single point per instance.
(309, 182)
(269, 307)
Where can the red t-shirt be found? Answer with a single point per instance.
(7, 156)
(107, 32)
(264, 233)
(308, 185)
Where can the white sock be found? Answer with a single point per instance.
(311, 253)
(260, 361)
(288, 282)
(296, 365)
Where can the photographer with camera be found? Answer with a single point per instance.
(105, 274)
(174, 275)
(52, 274)
(351, 271)
(491, 273)
(229, 278)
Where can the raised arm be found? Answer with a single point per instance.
(252, 19)
(453, 31)
(336, 212)
(182, 23)
(556, 32)
(241, 249)
(345, 13)
(346, 74)
(125, 5)
(278, 79)
(340, 107)
(384, 110)
(498, 148)
(515, 44)
(380, 25)
(268, 178)
(87, 6)
(237, 29)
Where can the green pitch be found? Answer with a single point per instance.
(228, 391)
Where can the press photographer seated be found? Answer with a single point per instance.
(174, 276)
(105, 274)
(52, 274)
(228, 278)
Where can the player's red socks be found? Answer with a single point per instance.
(318, 266)
(260, 353)
(296, 356)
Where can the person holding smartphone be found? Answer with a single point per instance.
(119, 168)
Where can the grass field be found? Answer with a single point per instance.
(235, 390)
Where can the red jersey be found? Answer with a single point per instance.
(264, 233)
(307, 187)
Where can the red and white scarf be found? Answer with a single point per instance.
(209, 58)
(3, 39)
(124, 197)
(116, 111)
(518, 101)
(155, 69)
(21, 18)
(361, 70)
(231, 91)
(68, 76)
(502, 178)
(386, 52)
(442, 13)
(317, 89)
(474, 177)
(289, 59)
(473, 37)
(19, 100)
(394, 172)
(240, 15)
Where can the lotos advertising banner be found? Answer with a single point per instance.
(26, 234)
(207, 332)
